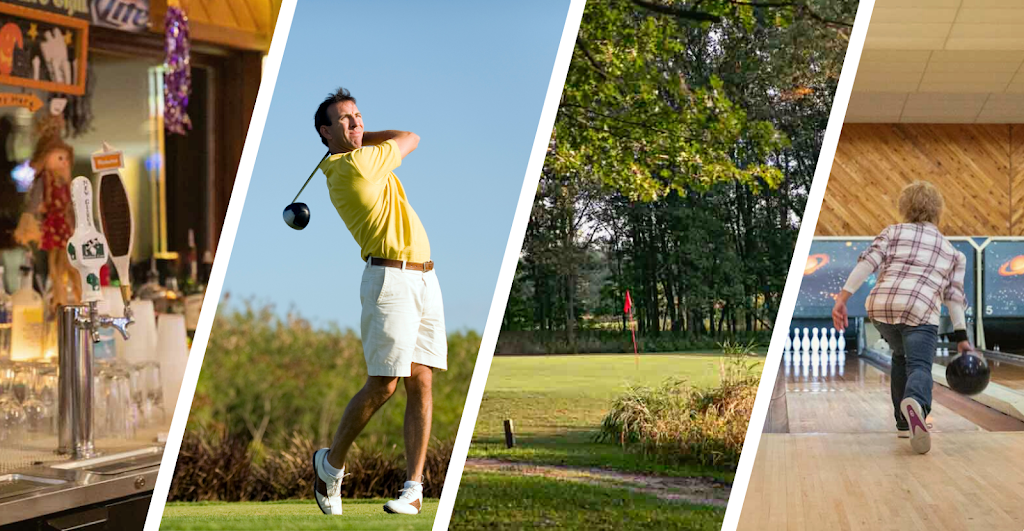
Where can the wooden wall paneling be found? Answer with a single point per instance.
(969, 163)
(1017, 180)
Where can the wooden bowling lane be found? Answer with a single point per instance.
(842, 467)
(857, 401)
(874, 482)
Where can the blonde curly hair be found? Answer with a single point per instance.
(921, 202)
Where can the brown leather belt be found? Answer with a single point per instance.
(415, 266)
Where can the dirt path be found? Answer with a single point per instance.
(701, 491)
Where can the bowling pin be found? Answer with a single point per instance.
(841, 342)
(815, 344)
(806, 342)
(789, 343)
(796, 339)
(832, 340)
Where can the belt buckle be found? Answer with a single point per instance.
(428, 266)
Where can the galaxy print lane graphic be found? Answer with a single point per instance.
(1012, 267)
(828, 265)
(814, 263)
(1004, 279)
(970, 276)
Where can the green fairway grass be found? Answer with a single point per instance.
(291, 515)
(557, 403)
(500, 501)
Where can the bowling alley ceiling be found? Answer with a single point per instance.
(942, 61)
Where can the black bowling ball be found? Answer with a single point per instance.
(968, 374)
(296, 215)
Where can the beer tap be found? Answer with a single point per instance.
(79, 325)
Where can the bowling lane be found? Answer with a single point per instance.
(848, 397)
(870, 482)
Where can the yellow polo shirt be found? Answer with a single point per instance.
(372, 203)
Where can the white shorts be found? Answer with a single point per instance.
(402, 321)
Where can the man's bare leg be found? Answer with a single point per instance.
(360, 409)
(418, 412)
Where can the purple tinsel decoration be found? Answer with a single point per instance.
(178, 76)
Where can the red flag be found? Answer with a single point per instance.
(629, 304)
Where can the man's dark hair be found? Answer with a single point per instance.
(321, 118)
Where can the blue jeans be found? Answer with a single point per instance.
(913, 351)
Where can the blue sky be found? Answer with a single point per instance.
(469, 82)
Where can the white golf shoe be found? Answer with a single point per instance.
(326, 487)
(409, 501)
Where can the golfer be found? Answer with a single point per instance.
(402, 316)
(918, 271)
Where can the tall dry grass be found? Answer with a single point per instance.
(273, 389)
(222, 467)
(677, 422)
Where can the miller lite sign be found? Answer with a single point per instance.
(125, 15)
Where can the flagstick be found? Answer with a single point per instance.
(628, 310)
(636, 354)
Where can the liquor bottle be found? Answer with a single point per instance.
(6, 311)
(190, 278)
(193, 291)
(27, 320)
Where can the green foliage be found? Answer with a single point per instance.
(614, 342)
(265, 379)
(631, 118)
(680, 164)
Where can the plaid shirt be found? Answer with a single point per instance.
(918, 270)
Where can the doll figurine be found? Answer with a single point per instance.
(52, 160)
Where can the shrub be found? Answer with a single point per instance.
(679, 423)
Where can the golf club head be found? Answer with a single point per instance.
(296, 215)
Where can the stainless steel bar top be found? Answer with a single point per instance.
(41, 490)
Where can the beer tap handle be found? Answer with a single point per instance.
(87, 248)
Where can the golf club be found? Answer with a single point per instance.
(296, 215)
